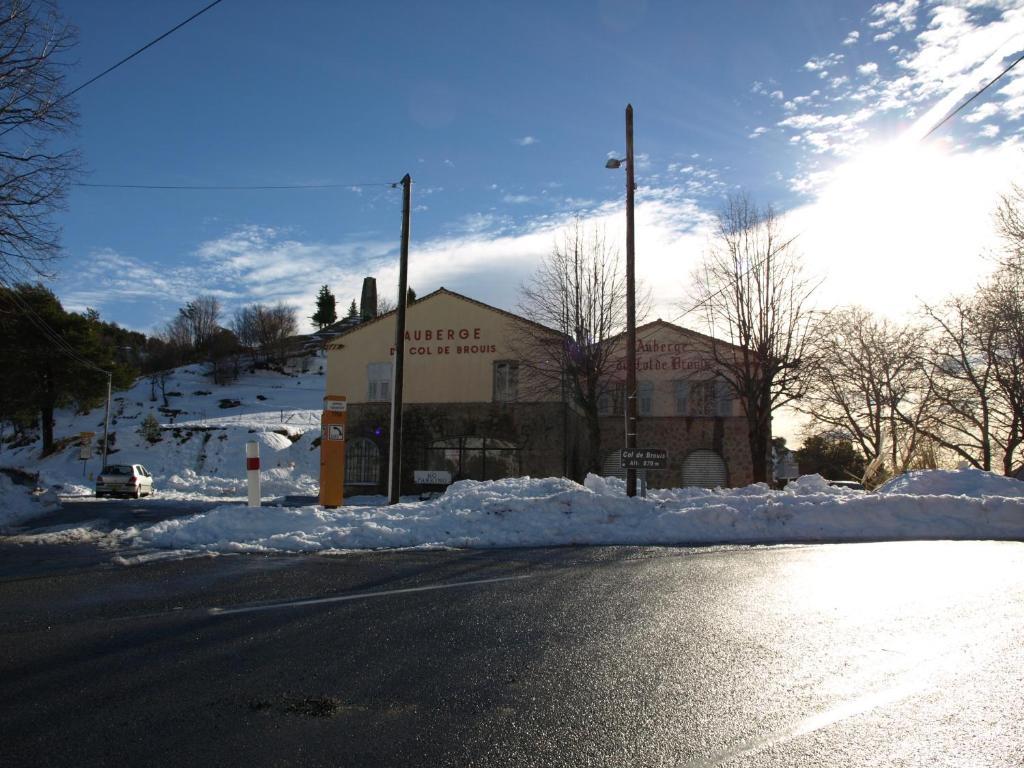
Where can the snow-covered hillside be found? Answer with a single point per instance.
(203, 432)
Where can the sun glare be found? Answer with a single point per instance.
(901, 221)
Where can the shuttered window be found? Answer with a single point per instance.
(378, 378)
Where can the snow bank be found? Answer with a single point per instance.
(954, 482)
(520, 512)
(19, 503)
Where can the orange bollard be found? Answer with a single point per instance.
(332, 451)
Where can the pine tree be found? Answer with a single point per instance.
(326, 311)
(353, 310)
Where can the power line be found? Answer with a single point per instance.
(126, 59)
(237, 187)
(150, 44)
(989, 84)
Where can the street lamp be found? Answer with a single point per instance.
(630, 298)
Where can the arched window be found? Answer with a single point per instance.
(362, 462)
(704, 469)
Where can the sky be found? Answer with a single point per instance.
(504, 114)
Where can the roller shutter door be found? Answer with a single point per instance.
(612, 466)
(704, 469)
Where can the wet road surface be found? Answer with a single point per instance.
(858, 654)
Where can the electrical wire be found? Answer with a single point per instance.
(47, 331)
(126, 59)
(988, 85)
(237, 187)
(150, 44)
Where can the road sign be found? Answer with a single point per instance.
(85, 445)
(335, 432)
(644, 458)
(432, 477)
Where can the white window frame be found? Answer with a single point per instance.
(506, 381)
(378, 382)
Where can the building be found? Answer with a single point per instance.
(473, 410)
(684, 407)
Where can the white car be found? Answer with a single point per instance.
(124, 480)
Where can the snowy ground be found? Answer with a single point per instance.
(201, 456)
(201, 451)
(20, 503)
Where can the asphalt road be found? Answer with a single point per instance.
(860, 654)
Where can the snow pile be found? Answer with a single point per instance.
(954, 482)
(520, 512)
(19, 503)
(278, 481)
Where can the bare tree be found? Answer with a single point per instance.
(264, 330)
(977, 356)
(977, 371)
(865, 379)
(577, 300)
(201, 321)
(35, 167)
(754, 296)
(246, 328)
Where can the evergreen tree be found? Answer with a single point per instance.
(326, 308)
(353, 310)
(40, 374)
(833, 457)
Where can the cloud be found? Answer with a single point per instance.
(526, 141)
(868, 68)
(817, 64)
(902, 15)
(759, 131)
(851, 38)
(518, 199)
(981, 113)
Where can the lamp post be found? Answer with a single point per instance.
(630, 298)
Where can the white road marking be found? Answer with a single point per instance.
(360, 596)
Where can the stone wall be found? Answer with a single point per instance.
(680, 435)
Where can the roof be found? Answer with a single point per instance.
(659, 323)
(442, 291)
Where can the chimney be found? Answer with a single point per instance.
(368, 301)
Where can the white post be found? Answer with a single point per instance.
(252, 470)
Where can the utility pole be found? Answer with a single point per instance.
(395, 463)
(106, 420)
(630, 305)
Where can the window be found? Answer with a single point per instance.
(645, 397)
(723, 398)
(362, 462)
(474, 458)
(506, 381)
(378, 377)
(711, 397)
(682, 394)
(611, 402)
